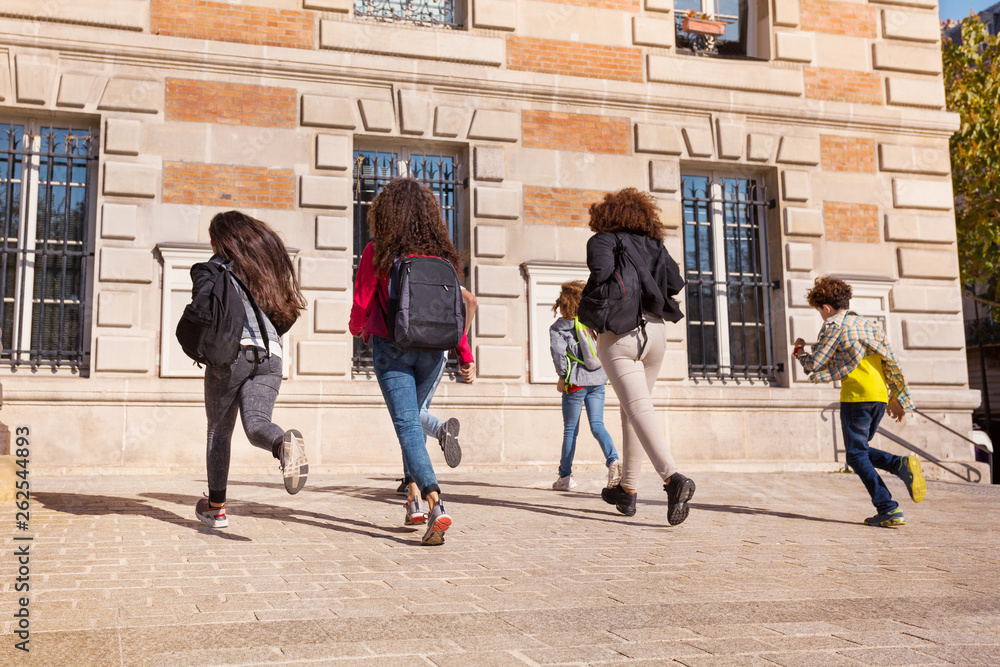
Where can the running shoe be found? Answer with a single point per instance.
(679, 492)
(292, 461)
(448, 439)
(438, 522)
(623, 501)
(887, 519)
(211, 516)
(614, 473)
(909, 472)
(416, 513)
(564, 483)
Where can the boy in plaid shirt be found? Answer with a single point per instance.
(856, 351)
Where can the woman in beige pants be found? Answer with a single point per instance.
(629, 220)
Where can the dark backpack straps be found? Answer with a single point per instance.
(256, 310)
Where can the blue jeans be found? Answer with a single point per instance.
(406, 378)
(572, 406)
(859, 422)
(429, 422)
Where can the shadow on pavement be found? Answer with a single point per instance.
(90, 505)
(388, 495)
(250, 508)
(736, 509)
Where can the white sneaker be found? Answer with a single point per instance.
(614, 473)
(564, 483)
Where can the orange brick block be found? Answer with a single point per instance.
(576, 132)
(550, 56)
(230, 103)
(223, 22)
(228, 185)
(839, 18)
(623, 5)
(842, 85)
(563, 207)
(853, 223)
(847, 154)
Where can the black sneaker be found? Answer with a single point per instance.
(679, 492)
(448, 439)
(402, 488)
(623, 501)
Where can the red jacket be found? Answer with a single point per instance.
(367, 316)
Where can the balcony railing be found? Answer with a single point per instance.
(437, 13)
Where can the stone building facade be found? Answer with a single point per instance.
(810, 138)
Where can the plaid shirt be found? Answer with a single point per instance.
(846, 339)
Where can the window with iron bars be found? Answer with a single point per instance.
(436, 13)
(47, 178)
(728, 284)
(372, 170)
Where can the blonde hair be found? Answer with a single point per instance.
(569, 299)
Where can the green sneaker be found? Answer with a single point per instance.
(909, 472)
(887, 520)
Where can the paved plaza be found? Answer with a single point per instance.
(770, 569)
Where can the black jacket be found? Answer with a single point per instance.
(661, 280)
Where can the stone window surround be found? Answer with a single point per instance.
(544, 284)
(178, 258)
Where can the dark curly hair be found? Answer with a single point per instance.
(829, 291)
(627, 210)
(261, 261)
(569, 299)
(405, 219)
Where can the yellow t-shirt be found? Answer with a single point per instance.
(866, 383)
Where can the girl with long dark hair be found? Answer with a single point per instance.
(250, 384)
(632, 360)
(405, 220)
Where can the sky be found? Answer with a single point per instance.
(959, 9)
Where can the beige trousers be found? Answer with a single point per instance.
(632, 377)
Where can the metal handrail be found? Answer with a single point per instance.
(936, 461)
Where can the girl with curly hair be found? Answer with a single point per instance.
(632, 360)
(581, 383)
(405, 220)
(250, 384)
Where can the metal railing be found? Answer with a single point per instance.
(372, 171)
(728, 290)
(46, 187)
(437, 13)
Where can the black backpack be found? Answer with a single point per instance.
(211, 326)
(425, 309)
(616, 304)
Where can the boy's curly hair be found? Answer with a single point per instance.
(569, 299)
(829, 291)
(627, 210)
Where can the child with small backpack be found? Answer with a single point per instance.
(262, 296)
(581, 382)
(409, 304)
(856, 351)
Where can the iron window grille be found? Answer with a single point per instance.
(47, 177)
(728, 284)
(435, 13)
(373, 169)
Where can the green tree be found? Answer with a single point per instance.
(972, 88)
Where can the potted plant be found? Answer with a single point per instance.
(700, 23)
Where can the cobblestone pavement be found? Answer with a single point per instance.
(770, 569)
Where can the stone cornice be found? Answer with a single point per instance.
(325, 67)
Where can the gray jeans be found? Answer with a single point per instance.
(251, 387)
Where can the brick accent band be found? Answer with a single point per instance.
(222, 22)
(847, 154)
(576, 132)
(843, 85)
(839, 18)
(855, 223)
(230, 103)
(228, 185)
(564, 207)
(550, 56)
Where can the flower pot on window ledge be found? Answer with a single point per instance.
(708, 27)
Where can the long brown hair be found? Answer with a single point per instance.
(569, 299)
(627, 210)
(405, 219)
(261, 261)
